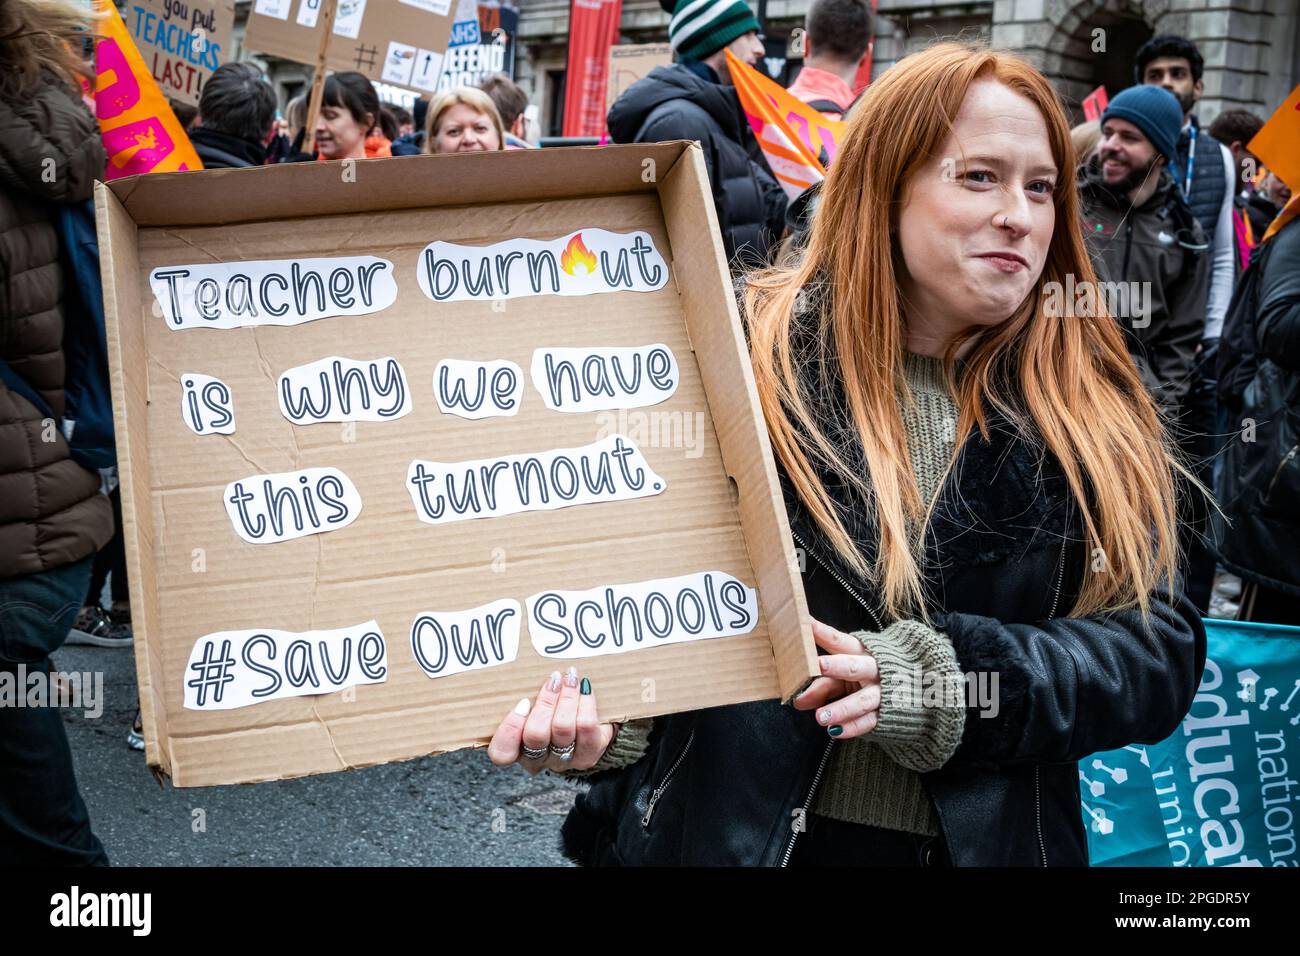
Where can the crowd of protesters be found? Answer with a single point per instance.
(1190, 378)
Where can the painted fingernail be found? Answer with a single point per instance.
(835, 730)
(824, 716)
(571, 677)
(523, 707)
(585, 687)
(555, 680)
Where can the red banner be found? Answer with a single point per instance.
(593, 29)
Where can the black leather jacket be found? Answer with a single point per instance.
(1005, 557)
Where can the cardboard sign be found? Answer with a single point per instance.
(629, 62)
(141, 133)
(400, 43)
(495, 417)
(181, 41)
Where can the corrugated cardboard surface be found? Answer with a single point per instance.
(192, 575)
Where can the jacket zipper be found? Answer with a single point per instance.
(1278, 473)
(826, 754)
(1038, 803)
(663, 784)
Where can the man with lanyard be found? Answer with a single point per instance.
(1206, 173)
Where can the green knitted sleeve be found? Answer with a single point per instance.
(922, 694)
(628, 747)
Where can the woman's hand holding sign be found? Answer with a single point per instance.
(847, 695)
(559, 732)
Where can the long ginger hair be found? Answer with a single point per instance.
(43, 34)
(1067, 380)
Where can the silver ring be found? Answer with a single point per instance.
(564, 753)
(534, 753)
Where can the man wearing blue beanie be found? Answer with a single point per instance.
(694, 100)
(1144, 238)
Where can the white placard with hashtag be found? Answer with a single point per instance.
(230, 669)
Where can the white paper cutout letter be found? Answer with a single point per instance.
(478, 389)
(337, 389)
(612, 469)
(591, 379)
(291, 504)
(452, 642)
(585, 262)
(232, 295)
(206, 405)
(232, 669)
(626, 617)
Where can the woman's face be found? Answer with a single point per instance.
(339, 135)
(977, 219)
(463, 129)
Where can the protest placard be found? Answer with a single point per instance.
(400, 43)
(181, 41)
(629, 62)
(400, 437)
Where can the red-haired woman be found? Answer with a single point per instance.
(985, 497)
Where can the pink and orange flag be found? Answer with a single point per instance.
(141, 133)
(791, 134)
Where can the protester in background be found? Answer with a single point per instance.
(1264, 202)
(511, 102)
(1236, 128)
(1084, 138)
(349, 111)
(405, 125)
(1258, 534)
(1130, 203)
(52, 515)
(379, 141)
(836, 38)
(463, 120)
(236, 118)
(1148, 241)
(948, 448)
(1203, 168)
(694, 100)
(1207, 176)
(401, 132)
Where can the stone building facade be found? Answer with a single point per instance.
(1251, 47)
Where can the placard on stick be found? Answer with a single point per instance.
(399, 43)
(396, 445)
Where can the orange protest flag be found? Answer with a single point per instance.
(791, 134)
(141, 133)
(1277, 144)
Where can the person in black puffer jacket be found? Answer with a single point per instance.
(692, 100)
(1258, 532)
(52, 516)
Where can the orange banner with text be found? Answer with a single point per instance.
(141, 133)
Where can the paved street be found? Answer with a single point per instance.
(434, 811)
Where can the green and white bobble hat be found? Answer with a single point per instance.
(700, 28)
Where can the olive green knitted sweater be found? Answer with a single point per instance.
(874, 779)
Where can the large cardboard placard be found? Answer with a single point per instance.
(352, 625)
(182, 41)
(399, 42)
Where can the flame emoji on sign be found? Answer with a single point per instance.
(577, 256)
